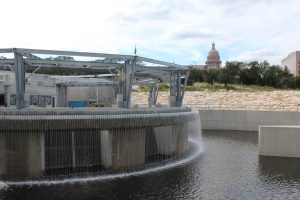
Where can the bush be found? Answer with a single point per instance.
(163, 87)
(144, 88)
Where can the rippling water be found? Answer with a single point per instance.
(228, 168)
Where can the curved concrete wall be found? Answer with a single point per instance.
(245, 120)
(34, 142)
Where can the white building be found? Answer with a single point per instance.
(52, 91)
(292, 62)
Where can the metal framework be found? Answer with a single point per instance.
(131, 69)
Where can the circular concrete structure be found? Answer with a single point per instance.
(43, 143)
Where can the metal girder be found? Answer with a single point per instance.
(170, 65)
(7, 61)
(10, 50)
(37, 69)
(108, 58)
(151, 74)
(184, 85)
(125, 84)
(144, 81)
(75, 53)
(153, 94)
(82, 64)
(160, 68)
(77, 84)
(176, 88)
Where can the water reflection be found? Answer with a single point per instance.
(273, 167)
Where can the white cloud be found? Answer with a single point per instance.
(163, 29)
(258, 55)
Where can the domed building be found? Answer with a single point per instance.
(213, 58)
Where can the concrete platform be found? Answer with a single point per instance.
(45, 142)
(283, 141)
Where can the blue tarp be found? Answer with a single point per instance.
(77, 103)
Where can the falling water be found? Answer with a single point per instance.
(67, 146)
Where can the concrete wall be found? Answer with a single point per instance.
(245, 120)
(281, 141)
(103, 95)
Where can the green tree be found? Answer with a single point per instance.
(224, 76)
(251, 75)
(211, 75)
(196, 75)
(234, 69)
(287, 82)
(277, 77)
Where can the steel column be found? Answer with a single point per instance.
(153, 93)
(126, 83)
(20, 80)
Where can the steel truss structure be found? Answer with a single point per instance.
(131, 69)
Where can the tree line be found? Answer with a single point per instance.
(247, 73)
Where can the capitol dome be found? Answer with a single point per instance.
(213, 58)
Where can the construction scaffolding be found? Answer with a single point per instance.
(128, 70)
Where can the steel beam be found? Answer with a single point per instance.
(6, 50)
(20, 80)
(178, 88)
(76, 53)
(128, 77)
(184, 86)
(170, 65)
(7, 61)
(153, 93)
(83, 64)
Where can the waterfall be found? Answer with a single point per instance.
(57, 145)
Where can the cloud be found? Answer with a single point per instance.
(257, 55)
(194, 34)
(163, 29)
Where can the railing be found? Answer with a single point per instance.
(287, 108)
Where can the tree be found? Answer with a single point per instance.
(234, 69)
(196, 75)
(225, 76)
(287, 82)
(251, 74)
(277, 77)
(297, 81)
(211, 75)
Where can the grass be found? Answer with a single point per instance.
(164, 87)
(235, 87)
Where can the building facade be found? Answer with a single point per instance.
(292, 62)
(57, 91)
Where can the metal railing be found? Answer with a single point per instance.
(286, 108)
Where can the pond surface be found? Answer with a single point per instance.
(228, 168)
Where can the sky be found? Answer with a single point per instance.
(179, 31)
